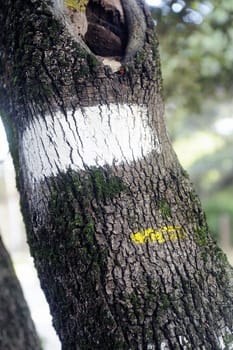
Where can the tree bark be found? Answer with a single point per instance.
(118, 236)
(17, 331)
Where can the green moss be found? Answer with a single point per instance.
(204, 255)
(165, 303)
(149, 335)
(135, 300)
(105, 186)
(97, 183)
(78, 220)
(71, 221)
(84, 70)
(49, 255)
(165, 209)
(87, 65)
(185, 174)
(194, 197)
(201, 236)
(71, 224)
(155, 47)
(89, 231)
(220, 255)
(92, 61)
(140, 57)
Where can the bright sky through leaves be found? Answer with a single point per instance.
(154, 2)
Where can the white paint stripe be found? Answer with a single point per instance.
(91, 136)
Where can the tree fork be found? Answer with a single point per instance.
(117, 233)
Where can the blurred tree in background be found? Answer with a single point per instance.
(196, 45)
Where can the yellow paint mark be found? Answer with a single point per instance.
(79, 5)
(161, 235)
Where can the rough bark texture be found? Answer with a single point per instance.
(119, 239)
(17, 331)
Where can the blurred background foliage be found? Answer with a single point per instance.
(196, 46)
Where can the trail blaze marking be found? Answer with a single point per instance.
(92, 136)
(160, 235)
(77, 4)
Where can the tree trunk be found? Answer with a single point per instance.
(17, 331)
(117, 233)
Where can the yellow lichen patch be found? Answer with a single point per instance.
(160, 235)
(79, 5)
